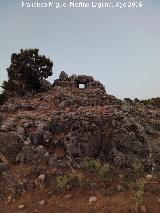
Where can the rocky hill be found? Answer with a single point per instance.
(73, 119)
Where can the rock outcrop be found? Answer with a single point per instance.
(76, 81)
(67, 122)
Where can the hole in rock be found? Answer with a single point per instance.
(81, 86)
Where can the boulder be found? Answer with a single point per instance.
(63, 76)
(10, 146)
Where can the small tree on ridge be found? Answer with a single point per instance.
(26, 70)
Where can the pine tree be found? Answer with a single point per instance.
(26, 70)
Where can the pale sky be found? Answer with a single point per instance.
(119, 47)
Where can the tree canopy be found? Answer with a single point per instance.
(26, 70)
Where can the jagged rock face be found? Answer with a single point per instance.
(75, 81)
(81, 79)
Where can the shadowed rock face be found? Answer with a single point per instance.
(10, 146)
(115, 137)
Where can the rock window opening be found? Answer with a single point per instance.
(81, 86)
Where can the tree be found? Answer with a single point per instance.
(3, 98)
(26, 70)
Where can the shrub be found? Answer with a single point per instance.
(138, 195)
(104, 171)
(68, 181)
(91, 164)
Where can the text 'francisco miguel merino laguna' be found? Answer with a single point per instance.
(63, 5)
(72, 4)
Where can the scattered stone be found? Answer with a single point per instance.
(42, 177)
(21, 206)
(92, 199)
(68, 196)
(3, 159)
(27, 141)
(41, 202)
(9, 199)
(143, 209)
(40, 147)
(46, 154)
(149, 177)
(119, 188)
(26, 124)
(47, 136)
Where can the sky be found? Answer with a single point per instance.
(118, 47)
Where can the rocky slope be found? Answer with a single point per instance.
(59, 127)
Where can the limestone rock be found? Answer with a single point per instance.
(10, 146)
